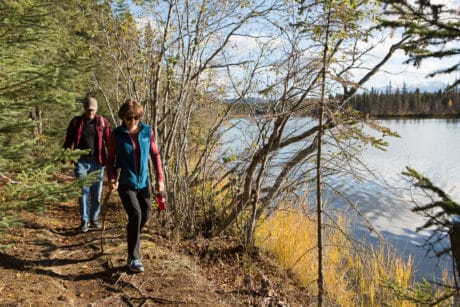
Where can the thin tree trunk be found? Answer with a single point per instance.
(319, 167)
(36, 115)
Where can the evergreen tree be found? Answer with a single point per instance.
(47, 58)
(434, 31)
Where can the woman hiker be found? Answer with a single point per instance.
(129, 147)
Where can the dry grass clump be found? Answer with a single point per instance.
(353, 274)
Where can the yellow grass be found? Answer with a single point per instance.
(352, 277)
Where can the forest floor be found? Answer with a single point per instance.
(46, 261)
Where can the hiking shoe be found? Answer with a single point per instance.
(83, 227)
(135, 265)
(96, 224)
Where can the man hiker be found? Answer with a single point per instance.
(90, 132)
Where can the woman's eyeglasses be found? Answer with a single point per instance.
(130, 118)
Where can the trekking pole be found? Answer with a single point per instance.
(104, 214)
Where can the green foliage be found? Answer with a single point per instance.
(420, 293)
(40, 184)
(446, 204)
(7, 222)
(439, 213)
(33, 190)
(44, 50)
(400, 102)
(346, 16)
(430, 27)
(47, 57)
(4, 248)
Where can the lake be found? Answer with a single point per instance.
(431, 146)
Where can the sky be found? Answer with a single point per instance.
(398, 73)
(395, 71)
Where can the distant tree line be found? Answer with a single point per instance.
(402, 102)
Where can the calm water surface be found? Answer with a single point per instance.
(431, 146)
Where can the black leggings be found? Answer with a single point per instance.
(137, 204)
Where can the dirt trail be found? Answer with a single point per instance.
(48, 262)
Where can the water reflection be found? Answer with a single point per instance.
(431, 146)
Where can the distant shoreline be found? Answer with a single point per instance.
(415, 116)
(367, 116)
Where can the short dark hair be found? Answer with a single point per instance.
(131, 108)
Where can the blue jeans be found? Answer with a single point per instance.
(90, 200)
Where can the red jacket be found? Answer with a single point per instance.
(103, 130)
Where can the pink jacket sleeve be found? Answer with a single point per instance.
(156, 159)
